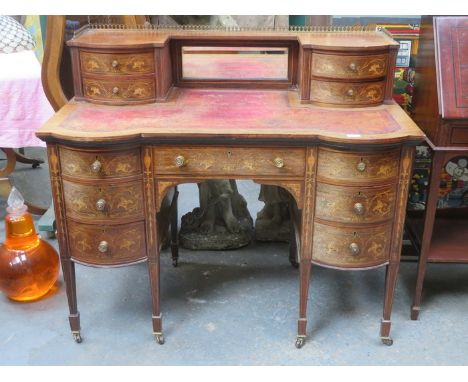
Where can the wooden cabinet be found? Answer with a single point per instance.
(441, 110)
(114, 165)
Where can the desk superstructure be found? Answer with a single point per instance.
(327, 131)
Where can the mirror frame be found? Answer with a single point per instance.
(290, 81)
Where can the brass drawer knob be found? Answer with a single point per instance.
(96, 166)
(350, 92)
(358, 208)
(101, 205)
(103, 246)
(361, 166)
(115, 63)
(180, 161)
(354, 248)
(115, 90)
(279, 162)
(352, 66)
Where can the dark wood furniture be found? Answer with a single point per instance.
(441, 110)
(328, 132)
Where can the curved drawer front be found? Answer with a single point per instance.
(355, 204)
(119, 90)
(107, 245)
(376, 167)
(226, 161)
(117, 63)
(100, 165)
(347, 93)
(349, 67)
(103, 202)
(351, 247)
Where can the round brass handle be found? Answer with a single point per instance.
(352, 66)
(350, 93)
(96, 166)
(354, 248)
(103, 246)
(101, 205)
(115, 90)
(279, 162)
(358, 208)
(180, 161)
(115, 63)
(361, 166)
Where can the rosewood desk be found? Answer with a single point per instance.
(326, 130)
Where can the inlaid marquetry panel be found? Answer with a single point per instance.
(347, 93)
(349, 67)
(229, 161)
(117, 63)
(351, 247)
(107, 245)
(102, 164)
(120, 90)
(355, 204)
(98, 202)
(376, 167)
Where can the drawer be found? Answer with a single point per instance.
(124, 90)
(100, 164)
(362, 168)
(117, 63)
(107, 245)
(230, 161)
(104, 202)
(347, 93)
(355, 204)
(349, 67)
(351, 247)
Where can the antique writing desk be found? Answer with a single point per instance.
(152, 111)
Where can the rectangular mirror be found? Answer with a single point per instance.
(234, 63)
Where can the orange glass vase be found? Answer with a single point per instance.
(29, 266)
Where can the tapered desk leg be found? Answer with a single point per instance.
(304, 279)
(390, 284)
(153, 268)
(68, 269)
(429, 218)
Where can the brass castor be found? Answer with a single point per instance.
(300, 341)
(77, 338)
(159, 338)
(175, 262)
(387, 341)
(36, 164)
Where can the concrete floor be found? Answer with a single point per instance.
(233, 308)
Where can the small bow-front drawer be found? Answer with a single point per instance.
(128, 90)
(351, 247)
(117, 63)
(103, 202)
(355, 204)
(100, 165)
(230, 162)
(358, 168)
(347, 93)
(349, 67)
(107, 245)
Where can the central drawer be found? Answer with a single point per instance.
(107, 245)
(104, 201)
(351, 247)
(230, 161)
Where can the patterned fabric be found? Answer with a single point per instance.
(33, 26)
(14, 37)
